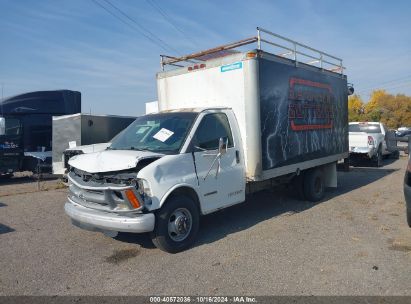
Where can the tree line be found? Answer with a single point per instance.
(392, 110)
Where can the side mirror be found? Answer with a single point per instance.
(222, 149)
(222, 146)
(2, 126)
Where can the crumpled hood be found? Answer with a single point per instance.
(90, 148)
(110, 160)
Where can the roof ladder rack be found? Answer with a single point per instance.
(298, 50)
(288, 47)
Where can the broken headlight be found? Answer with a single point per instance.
(143, 187)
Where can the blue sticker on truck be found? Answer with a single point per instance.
(231, 67)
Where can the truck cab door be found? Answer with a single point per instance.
(220, 175)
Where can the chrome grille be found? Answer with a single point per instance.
(102, 196)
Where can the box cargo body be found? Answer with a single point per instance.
(292, 116)
(83, 129)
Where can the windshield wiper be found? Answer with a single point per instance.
(129, 148)
(139, 149)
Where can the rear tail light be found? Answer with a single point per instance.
(370, 141)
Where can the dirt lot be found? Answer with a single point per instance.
(26, 182)
(355, 242)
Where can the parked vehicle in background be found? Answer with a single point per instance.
(371, 140)
(78, 133)
(403, 130)
(10, 146)
(403, 135)
(27, 121)
(407, 191)
(233, 124)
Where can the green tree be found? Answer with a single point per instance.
(393, 111)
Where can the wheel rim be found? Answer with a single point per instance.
(179, 224)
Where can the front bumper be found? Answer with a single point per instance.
(95, 220)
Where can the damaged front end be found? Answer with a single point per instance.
(109, 202)
(110, 191)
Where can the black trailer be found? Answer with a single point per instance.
(26, 126)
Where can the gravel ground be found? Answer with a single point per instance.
(355, 242)
(26, 182)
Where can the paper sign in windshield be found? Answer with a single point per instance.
(163, 135)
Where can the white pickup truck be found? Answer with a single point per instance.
(370, 140)
(226, 127)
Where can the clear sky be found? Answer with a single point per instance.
(77, 45)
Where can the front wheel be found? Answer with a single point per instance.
(177, 224)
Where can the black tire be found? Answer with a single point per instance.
(395, 155)
(314, 188)
(346, 165)
(377, 159)
(176, 212)
(6, 176)
(409, 217)
(298, 186)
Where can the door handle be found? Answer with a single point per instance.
(237, 156)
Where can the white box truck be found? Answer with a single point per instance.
(229, 123)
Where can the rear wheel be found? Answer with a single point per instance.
(314, 188)
(177, 224)
(378, 158)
